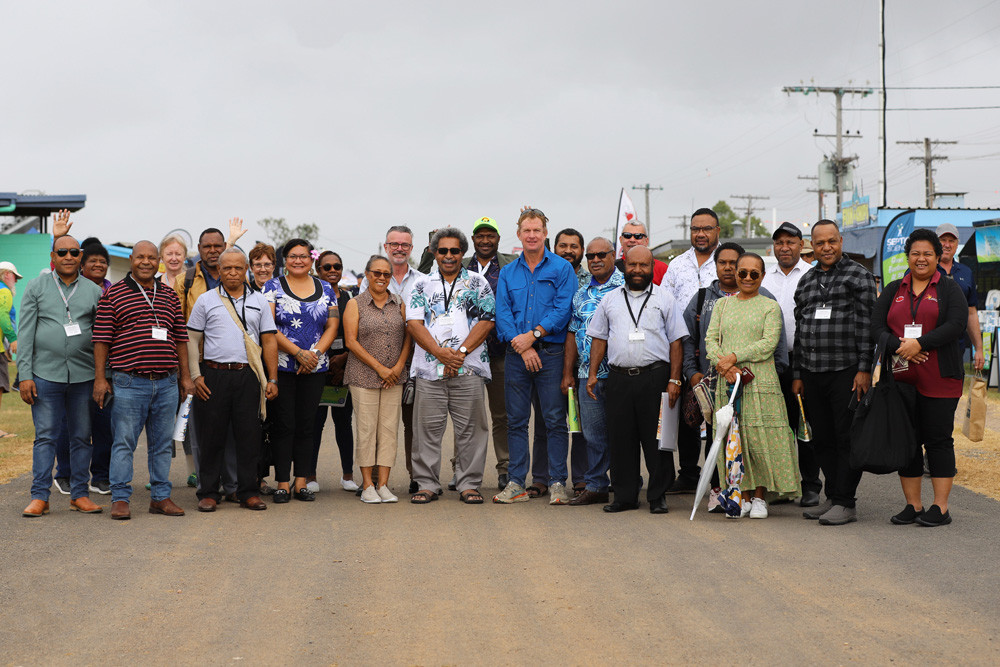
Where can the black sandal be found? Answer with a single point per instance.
(423, 497)
(537, 490)
(471, 497)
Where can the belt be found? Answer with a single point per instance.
(636, 370)
(233, 366)
(149, 375)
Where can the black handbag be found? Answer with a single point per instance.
(883, 438)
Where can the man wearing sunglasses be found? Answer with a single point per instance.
(634, 234)
(56, 365)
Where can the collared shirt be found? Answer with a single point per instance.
(223, 337)
(684, 277)
(783, 288)
(660, 321)
(125, 321)
(585, 304)
(582, 277)
(44, 347)
(401, 288)
(843, 339)
(470, 301)
(543, 297)
(962, 275)
(492, 274)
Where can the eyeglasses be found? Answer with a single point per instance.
(743, 273)
(597, 255)
(327, 267)
(73, 252)
(380, 274)
(395, 245)
(307, 257)
(262, 265)
(701, 230)
(453, 251)
(638, 236)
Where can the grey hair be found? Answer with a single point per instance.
(234, 251)
(602, 238)
(398, 228)
(376, 258)
(638, 223)
(449, 233)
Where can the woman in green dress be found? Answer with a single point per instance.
(743, 333)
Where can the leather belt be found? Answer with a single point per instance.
(636, 370)
(149, 375)
(233, 366)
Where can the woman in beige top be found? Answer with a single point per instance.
(378, 347)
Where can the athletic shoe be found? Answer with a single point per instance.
(193, 480)
(62, 485)
(385, 495)
(819, 510)
(370, 496)
(745, 507)
(758, 508)
(907, 517)
(512, 493)
(934, 517)
(102, 487)
(313, 486)
(838, 516)
(558, 494)
(348, 485)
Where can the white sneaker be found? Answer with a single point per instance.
(758, 508)
(745, 508)
(385, 495)
(348, 485)
(558, 494)
(313, 486)
(370, 495)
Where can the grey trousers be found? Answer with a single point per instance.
(464, 399)
(498, 413)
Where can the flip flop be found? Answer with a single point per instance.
(423, 497)
(537, 490)
(5, 434)
(471, 497)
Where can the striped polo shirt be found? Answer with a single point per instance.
(125, 321)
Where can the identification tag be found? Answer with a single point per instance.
(913, 331)
(440, 370)
(824, 313)
(338, 344)
(637, 335)
(445, 321)
(72, 329)
(159, 333)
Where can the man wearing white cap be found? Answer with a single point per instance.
(961, 274)
(8, 326)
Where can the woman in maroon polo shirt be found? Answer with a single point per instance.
(925, 315)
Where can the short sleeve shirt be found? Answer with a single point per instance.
(450, 312)
(585, 304)
(661, 322)
(301, 321)
(223, 337)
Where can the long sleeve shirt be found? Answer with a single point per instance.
(45, 348)
(833, 315)
(543, 297)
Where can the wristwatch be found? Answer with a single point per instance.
(273, 381)
(676, 382)
(463, 350)
(536, 333)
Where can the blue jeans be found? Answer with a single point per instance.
(518, 383)
(140, 402)
(100, 438)
(55, 401)
(595, 431)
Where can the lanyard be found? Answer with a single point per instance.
(64, 297)
(831, 276)
(915, 305)
(628, 303)
(142, 290)
(243, 316)
(447, 294)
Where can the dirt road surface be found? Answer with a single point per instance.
(339, 582)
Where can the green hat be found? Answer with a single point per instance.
(485, 222)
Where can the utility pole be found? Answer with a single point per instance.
(821, 192)
(928, 159)
(647, 187)
(684, 223)
(747, 227)
(840, 163)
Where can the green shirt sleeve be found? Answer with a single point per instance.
(6, 326)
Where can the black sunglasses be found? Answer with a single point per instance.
(595, 255)
(633, 235)
(743, 273)
(327, 267)
(453, 251)
(74, 252)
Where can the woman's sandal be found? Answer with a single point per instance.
(537, 490)
(423, 497)
(471, 497)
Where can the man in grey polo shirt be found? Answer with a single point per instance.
(227, 388)
(640, 327)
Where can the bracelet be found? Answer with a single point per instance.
(676, 382)
(273, 381)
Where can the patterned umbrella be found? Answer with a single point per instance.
(724, 418)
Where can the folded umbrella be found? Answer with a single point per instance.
(723, 420)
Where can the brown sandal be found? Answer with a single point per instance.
(471, 497)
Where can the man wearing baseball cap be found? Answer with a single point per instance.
(961, 274)
(8, 326)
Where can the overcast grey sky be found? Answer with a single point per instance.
(182, 114)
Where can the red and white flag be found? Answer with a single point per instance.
(626, 214)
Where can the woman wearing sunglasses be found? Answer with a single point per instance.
(378, 346)
(744, 333)
(330, 267)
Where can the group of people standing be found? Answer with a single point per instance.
(487, 340)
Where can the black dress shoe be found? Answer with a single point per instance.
(658, 506)
(809, 498)
(281, 496)
(590, 498)
(620, 506)
(502, 480)
(683, 485)
(304, 494)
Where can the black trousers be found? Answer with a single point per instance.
(294, 421)
(633, 409)
(829, 396)
(235, 403)
(808, 463)
(935, 422)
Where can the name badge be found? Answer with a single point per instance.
(338, 344)
(440, 370)
(159, 333)
(824, 313)
(637, 335)
(913, 331)
(72, 329)
(445, 321)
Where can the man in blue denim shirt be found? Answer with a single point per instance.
(534, 303)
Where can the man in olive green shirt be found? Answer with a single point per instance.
(55, 362)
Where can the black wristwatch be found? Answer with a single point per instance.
(537, 334)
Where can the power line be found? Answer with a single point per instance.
(748, 225)
(942, 87)
(647, 187)
(928, 159)
(928, 108)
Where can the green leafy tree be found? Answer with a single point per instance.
(727, 217)
(280, 232)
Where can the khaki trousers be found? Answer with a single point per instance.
(376, 414)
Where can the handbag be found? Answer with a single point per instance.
(883, 439)
(704, 393)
